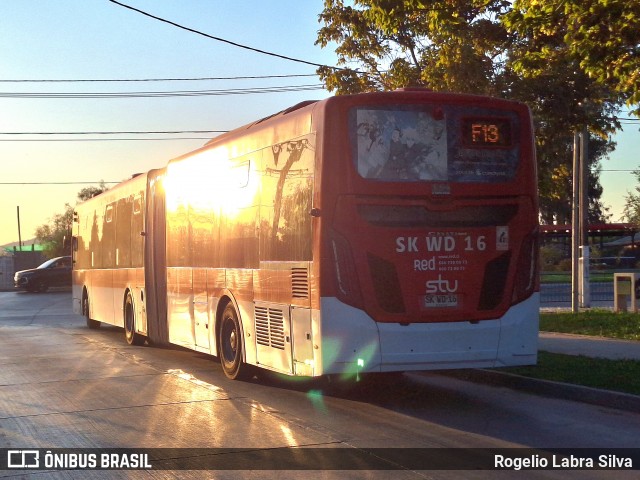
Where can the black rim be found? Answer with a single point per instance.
(230, 343)
(128, 319)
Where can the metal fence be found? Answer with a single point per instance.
(561, 292)
(9, 264)
(6, 272)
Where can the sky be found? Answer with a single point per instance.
(98, 40)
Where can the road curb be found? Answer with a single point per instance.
(548, 388)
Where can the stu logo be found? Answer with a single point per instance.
(442, 286)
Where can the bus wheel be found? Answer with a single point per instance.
(230, 345)
(133, 338)
(85, 311)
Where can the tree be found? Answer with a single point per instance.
(90, 192)
(56, 235)
(445, 45)
(513, 50)
(601, 36)
(550, 75)
(631, 212)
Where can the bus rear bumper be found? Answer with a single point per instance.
(359, 344)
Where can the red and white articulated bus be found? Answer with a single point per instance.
(378, 232)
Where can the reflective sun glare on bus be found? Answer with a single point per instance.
(209, 181)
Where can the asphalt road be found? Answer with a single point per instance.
(65, 386)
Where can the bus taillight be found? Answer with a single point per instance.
(526, 280)
(348, 287)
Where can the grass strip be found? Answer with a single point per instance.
(615, 375)
(602, 323)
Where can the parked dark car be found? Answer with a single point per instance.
(52, 273)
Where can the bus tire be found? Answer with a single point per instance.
(133, 338)
(93, 324)
(230, 345)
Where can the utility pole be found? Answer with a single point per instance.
(19, 232)
(585, 290)
(575, 224)
(580, 289)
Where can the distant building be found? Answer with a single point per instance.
(27, 246)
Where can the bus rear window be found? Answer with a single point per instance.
(434, 143)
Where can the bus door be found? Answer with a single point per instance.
(188, 312)
(302, 344)
(200, 312)
(301, 320)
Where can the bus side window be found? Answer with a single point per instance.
(287, 190)
(74, 249)
(137, 226)
(108, 242)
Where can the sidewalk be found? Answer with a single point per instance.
(599, 347)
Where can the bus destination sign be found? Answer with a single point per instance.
(486, 132)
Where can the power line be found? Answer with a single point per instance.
(104, 134)
(124, 132)
(102, 139)
(59, 183)
(123, 80)
(183, 93)
(235, 44)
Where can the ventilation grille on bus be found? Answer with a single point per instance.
(300, 282)
(270, 327)
(386, 284)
